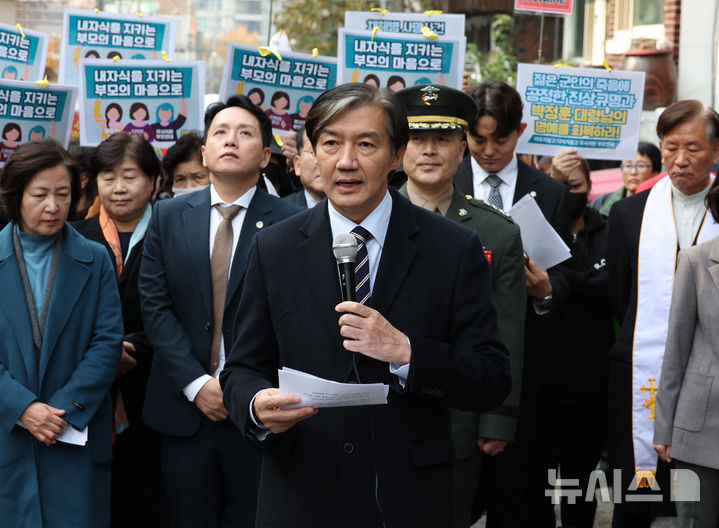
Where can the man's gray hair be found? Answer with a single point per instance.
(687, 110)
(339, 99)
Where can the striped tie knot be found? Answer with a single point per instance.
(362, 283)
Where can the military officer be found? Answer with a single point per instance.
(438, 117)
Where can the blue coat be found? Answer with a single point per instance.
(61, 485)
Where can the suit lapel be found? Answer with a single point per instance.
(196, 221)
(527, 182)
(258, 215)
(72, 275)
(459, 203)
(714, 264)
(12, 302)
(319, 269)
(463, 179)
(397, 254)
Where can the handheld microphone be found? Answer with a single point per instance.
(344, 247)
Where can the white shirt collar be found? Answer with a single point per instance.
(376, 222)
(508, 174)
(243, 200)
(311, 202)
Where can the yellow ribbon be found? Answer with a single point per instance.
(115, 58)
(607, 66)
(315, 52)
(375, 30)
(563, 65)
(19, 28)
(264, 51)
(139, 14)
(434, 12)
(278, 139)
(428, 33)
(164, 56)
(380, 10)
(43, 82)
(96, 10)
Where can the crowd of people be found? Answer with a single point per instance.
(148, 304)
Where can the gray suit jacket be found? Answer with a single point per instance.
(687, 406)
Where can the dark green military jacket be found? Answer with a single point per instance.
(503, 248)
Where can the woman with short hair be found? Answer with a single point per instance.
(60, 343)
(125, 168)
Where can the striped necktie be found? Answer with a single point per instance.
(362, 265)
(494, 198)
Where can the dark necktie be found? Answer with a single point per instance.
(220, 267)
(362, 264)
(494, 198)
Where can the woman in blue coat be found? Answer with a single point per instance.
(60, 344)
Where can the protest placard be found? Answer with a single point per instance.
(22, 54)
(285, 89)
(157, 99)
(441, 24)
(553, 7)
(91, 35)
(395, 60)
(595, 111)
(29, 111)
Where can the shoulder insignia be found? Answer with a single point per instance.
(468, 196)
(462, 212)
(481, 204)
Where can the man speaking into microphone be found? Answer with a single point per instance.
(423, 322)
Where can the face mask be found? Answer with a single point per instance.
(577, 204)
(187, 190)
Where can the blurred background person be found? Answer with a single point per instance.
(686, 428)
(88, 189)
(60, 343)
(575, 396)
(125, 167)
(184, 171)
(646, 165)
(306, 168)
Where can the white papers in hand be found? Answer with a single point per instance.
(541, 242)
(320, 392)
(70, 435)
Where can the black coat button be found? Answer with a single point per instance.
(207, 326)
(348, 448)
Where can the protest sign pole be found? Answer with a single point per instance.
(541, 35)
(269, 24)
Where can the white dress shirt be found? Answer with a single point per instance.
(311, 202)
(508, 175)
(243, 201)
(689, 213)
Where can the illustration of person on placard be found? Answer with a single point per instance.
(303, 106)
(278, 115)
(11, 74)
(38, 132)
(257, 96)
(11, 134)
(109, 123)
(166, 127)
(395, 83)
(139, 114)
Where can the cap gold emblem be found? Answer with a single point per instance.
(430, 94)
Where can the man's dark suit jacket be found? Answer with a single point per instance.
(176, 293)
(297, 198)
(333, 469)
(551, 197)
